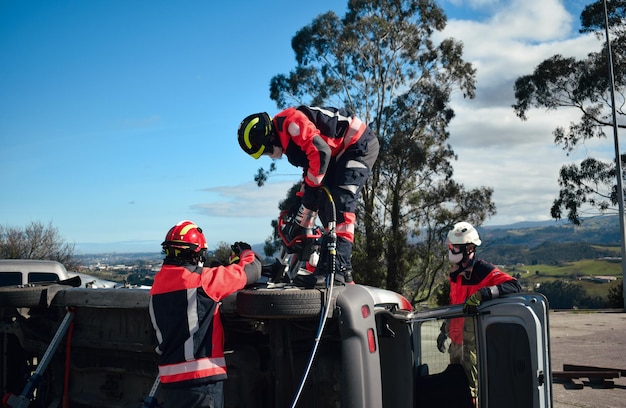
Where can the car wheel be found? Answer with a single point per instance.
(279, 303)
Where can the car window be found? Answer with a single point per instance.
(10, 278)
(42, 277)
(509, 365)
(441, 378)
(430, 355)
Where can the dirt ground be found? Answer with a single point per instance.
(595, 339)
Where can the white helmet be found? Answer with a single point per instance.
(463, 233)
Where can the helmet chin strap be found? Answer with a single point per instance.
(277, 152)
(468, 258)
(202, 256)
(468, 254)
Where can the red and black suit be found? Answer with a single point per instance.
(184, 308)
(335, 149)
(480, 276)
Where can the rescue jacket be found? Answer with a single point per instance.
(312, 136)
(478, 275)
(184, 309)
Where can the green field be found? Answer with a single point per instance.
(529, 275)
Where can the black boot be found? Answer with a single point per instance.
(310, 281)
(343, 266)
(344, 261)
(345, 275)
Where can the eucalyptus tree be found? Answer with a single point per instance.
(381, 61)
(584, 85)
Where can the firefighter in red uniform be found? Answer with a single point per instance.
(335, 149)
(184, 308)
(472, 281)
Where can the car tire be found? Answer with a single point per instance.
(279, 303)
(23, 296)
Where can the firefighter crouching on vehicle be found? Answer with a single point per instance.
(472, 281)
(335, 149)
(184, 309)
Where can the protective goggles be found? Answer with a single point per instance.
(456, 249)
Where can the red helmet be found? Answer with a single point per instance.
(186, 236)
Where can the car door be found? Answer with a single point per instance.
(512, 336)
(512, 349)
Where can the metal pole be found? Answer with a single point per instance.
(618, 160)
(23, 400)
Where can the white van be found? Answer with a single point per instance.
(24, 271)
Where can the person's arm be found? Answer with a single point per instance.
(242, 254)
(221, 281)
(251, 266)
(497, 283)
(307, 136)
(501, 284)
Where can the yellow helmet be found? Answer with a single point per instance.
(255, 134)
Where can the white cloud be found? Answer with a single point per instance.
(518, 159)
(245, 200)
(517, 35)
(531, 20)
(241, 212)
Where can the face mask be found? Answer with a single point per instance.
(455, 258)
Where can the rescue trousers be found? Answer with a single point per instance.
(345, 179)
(206, 396)
(465, 354)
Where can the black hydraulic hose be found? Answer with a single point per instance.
(330, 279)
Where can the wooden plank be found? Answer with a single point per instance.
(574, 367)
(603, 374)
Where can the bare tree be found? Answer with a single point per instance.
(36, 241)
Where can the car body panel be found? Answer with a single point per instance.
(515, 352)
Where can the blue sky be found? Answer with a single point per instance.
(119, 118)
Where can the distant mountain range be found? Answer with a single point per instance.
(596, 230)
(551, 242)
(88, 248)
(529, 235)
(129, 247)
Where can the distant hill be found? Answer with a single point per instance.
(120, 247)
(550, 242)
(524, 242)
(597, 230)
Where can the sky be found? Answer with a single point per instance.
(119, 118)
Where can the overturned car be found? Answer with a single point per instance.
(348, 346)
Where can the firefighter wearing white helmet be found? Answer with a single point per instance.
(472, 281)
(464, 233)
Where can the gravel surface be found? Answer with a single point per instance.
(595, 339)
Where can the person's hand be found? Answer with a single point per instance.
(237, 248)
(294, 238)
(472, 303)
(274, 271)
(442, 343)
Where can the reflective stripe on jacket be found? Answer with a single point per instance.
(184, 309)
(312, 136)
